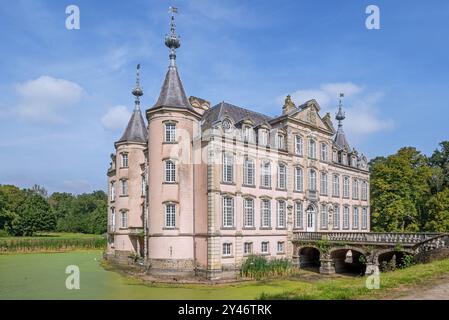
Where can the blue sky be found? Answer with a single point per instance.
(65, 95)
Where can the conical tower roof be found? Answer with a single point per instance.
(340, 137)
(136, 129)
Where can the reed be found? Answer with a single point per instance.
(258, 267)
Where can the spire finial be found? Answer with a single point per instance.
(172, 40)
(340, 114)
(137, 91)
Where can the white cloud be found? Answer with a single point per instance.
(45, 98)
(116, 118)
(361, 107)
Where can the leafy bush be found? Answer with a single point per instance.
(258, 267)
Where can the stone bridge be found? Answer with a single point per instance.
(364, 252)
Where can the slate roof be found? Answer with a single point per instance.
(340, 139)
(172, 92)
(136, 130)
(235, 113)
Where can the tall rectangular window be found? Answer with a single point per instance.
(345, 217)
(124, 219)
(324, 152)
(298, 179)
(143, 185)
(124, 187)
(281, 215)
(227, 249)
(280, 141)
(248, 216)
(170, 215)
(299, 216)
(228, 212)
(298, 145)
(266, 174)
(113, 219)
(312, 149)
(247, 133)
(124, 160)
(282, 176)
(346, 187)
(336, 186)
(312, 180)
(355, 218)
(264, 247)
(280, 247)
(248, 172)
(248, 248)
(323, 190)
(263, 137)
(112, 191)
(170, 132)
(364, 218)
(355, 189)
(266, 214)
(323, 219)
(336, 218)
(228, 167)
(364, 190)
(170, 171)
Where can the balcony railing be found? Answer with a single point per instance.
(312, 195)
(371, 237)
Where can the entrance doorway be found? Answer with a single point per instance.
(311, 219)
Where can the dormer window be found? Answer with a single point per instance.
(247, 133)
(226, 125)
(263, 137)
(170, 132)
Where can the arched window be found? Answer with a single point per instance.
(323, 216)
(298, 145)
(312, 180)
(112, 219)
(298, 179)
(266, 174)
(323, 184)
(170, 132)
(112, 191)
(248, 214)
(281, 215)
(324, 152)
(263, 137)
(346, 217)
(248, 172)
(170, 171)
(170, 215)
(228, 212)
(299, 215)
(282, 176)
(280, 141)
(228, 167)
(312, 149)
(266, 214)
(336, 218)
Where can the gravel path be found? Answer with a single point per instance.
(436, 290)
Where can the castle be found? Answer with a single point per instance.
(197, 188)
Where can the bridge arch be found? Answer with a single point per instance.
(349, 259)
(392, 258)
(309, 257)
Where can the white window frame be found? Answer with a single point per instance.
(265, 221)
(247, 248)
(249, 172)
(227, 249)
(312, 180)
(123, 219)
(364, 190)
(124, 187)
(355, 218)
(299, 179)
(247, 134)
(280, 141)
(336, 185)
(346, 182)
(265, 247)
(299, 215)
(355, 189)
(266, 174)
(112, 195)
(324, 184)
(228, 167)
(336, 217)
(282, 176)
(170, 132)
(299, 145)
(170, 215)
(281, 214)
(280, 247)
(170, 171)
(124, 160)
(364, 218)
(113, 218)
(324, 217)
(324, 152)
(312, 149)
(346, 217)
(248, 213)
(228, 212)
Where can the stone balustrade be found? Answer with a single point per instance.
(364, 237)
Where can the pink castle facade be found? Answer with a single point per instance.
(196, 189)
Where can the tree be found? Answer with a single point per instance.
(440, 159)
(438, 212)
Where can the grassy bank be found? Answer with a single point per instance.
(337, 288)
(51, 242)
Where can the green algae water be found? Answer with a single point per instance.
(42, 276)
